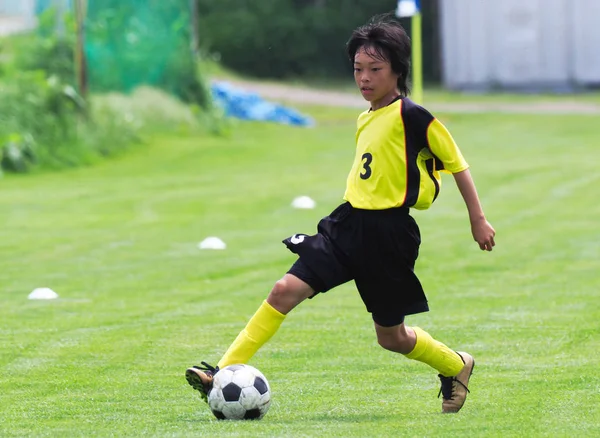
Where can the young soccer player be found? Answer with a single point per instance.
(371, 238)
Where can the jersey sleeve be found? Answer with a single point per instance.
(442, 145)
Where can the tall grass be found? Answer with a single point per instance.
(46, 124)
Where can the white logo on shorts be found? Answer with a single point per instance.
(297, 238)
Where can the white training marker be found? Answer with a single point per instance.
(303, 202)
(212, 243)
(43, 293)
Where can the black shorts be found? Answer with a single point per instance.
(375, 248)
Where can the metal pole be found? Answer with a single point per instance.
(80, 61)
(417, 59)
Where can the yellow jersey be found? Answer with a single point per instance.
(400, 151)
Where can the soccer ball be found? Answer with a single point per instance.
(239, 392)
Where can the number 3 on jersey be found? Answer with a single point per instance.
(368, 159)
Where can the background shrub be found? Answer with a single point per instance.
(299, 38)
(46, 123)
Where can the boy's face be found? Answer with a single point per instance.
(374, 75)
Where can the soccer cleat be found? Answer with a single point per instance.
(454, 389)
(201, 378)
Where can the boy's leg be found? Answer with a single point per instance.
(285, 295)
(318, 269)
(454, 368)
(434, 353)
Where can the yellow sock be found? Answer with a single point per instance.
(260, 328)
(435, 354)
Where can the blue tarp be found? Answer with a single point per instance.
(246, 105)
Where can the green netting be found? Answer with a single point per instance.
(134, 42)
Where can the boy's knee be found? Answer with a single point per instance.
(387, 342)
(287, 293)
(396, 341)
(283, 296)
(280, 290)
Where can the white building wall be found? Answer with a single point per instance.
(17, 16)
(520, 43)
(555, 41)
(468, 31)
(515, 41)
(586, 41)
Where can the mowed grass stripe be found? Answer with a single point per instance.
(139, 302)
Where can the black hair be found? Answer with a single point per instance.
(384, 38)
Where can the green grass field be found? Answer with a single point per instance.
(139, 302)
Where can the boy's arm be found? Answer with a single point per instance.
(483, 232)
(442, 145)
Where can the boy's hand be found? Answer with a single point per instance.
(483, 233)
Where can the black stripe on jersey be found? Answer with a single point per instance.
(416, 120)
(396, 99)
(430, 168)
(438, 164)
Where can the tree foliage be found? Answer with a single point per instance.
(283, 38)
